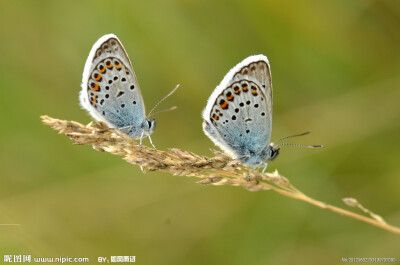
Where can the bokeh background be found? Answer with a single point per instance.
(336, 71)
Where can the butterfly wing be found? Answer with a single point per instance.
(238, 115)
(110, 91)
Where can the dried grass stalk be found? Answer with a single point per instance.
(217, 170)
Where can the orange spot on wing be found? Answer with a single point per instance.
(103, 70)
(255, 93)
(98, 78)
(96, 87)
(224, 105)
(245, 89)
(237, 92)
(230, 98)
(110, 66)
(118, 67)
(95, 100)
(216, 117)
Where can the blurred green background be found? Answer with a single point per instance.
(336, 71)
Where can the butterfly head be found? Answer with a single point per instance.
(273, 152)
(148, 126)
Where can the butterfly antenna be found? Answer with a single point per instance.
(169, 94)
(165, 110)
(299, 145)
(291, 136)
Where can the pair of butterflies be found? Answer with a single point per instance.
(237, 118)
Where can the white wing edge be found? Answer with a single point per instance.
(228, 77)
(83, 95)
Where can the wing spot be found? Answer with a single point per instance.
(101, 102)
(237, 110)
(236, 90)
(104, 114)
(254, 91)
(102, 69)
(253, 68)
(107, 88)
(248, 102)
(127, 72)
(132, 87)
(110, 81)
(123, 79)
(223, 104)
(247, 131)
(256, 105)
(122, 105)
(134, 102)
(97, 77)
(120, 93)
(263, 114)
(107, 96)
(263, 86)
(115, 78)
(241, 104)
(233, 117)
(96, 87)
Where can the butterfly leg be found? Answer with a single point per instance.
(141, 141)
(251, 172)
(266, 165)
(152, 142)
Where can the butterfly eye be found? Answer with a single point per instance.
(149, 123)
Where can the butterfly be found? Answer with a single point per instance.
(238, 115)
(110, 90)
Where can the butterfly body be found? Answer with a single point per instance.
(238, 115)
(110, 90)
